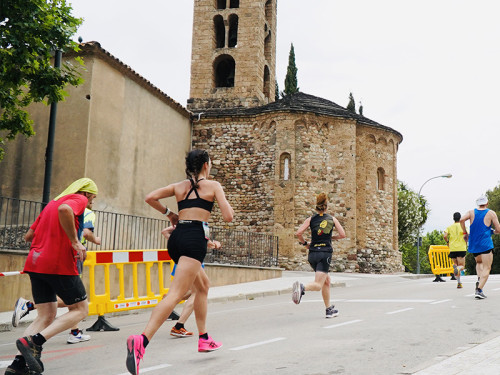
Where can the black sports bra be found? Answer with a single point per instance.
(196, 202)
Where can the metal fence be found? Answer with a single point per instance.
(129, 232)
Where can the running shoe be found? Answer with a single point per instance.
(180, 332)
(479, 294)
(298, 291)
(20, 311)
(459, 286)
(208, 345)
(135, 352)
(31, 353)
(331, 312)
(80, 337)
(15, 370)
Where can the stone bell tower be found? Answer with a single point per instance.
(233, 62)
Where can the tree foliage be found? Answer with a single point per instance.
(360, 109)
(291, 74)
(412, 214)
(276, 91)
(31, 30)
(351, 106)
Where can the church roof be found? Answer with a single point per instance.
(299, 103)
(94, 48)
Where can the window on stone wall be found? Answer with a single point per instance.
(224, 68)
(285, 166)
(221, 4)
(380, 179)
(267, 47)
(233, 31)
(220, 32)
(234, 4)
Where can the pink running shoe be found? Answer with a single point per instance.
(208, 345)
(135, 352)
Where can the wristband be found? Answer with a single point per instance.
(465, 232)
(167, 212)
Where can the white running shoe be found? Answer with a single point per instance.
(298, 291)
(81, 337)
(20, 311)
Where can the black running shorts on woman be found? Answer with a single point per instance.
(45, 287)
(320, 260)
(188, 239)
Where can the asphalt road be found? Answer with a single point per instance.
(387, 325)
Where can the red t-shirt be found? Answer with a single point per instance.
(51, 251)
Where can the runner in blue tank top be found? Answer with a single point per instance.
(480, 243)
(320, 252)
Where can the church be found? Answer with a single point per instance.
(272, 157)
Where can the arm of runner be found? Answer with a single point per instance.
(302, 229)
(445, 236)
(225, 208)
(153, 199)
(67, 221)
(28, 237)
(89, 236)
(166, 232)
(463, 219)
(495, 223)
(340, 230)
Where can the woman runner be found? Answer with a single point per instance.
(187, 247)
(320, 253)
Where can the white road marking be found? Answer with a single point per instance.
(343, 324)
(471, 295)
(392, 300)
(5, 364)
(399, 311)
(258, 343)
(149, 369)
(443, 300)
(496, 289)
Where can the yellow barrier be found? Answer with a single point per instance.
(128, 296)
(438, 258)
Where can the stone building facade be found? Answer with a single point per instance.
(274, 157)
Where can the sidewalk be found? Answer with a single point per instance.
(482, 359)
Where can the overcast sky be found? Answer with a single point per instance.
(428, 69)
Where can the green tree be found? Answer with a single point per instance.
(351, 106)
(291, 74)
(360, 110)
(31, 30)
(412, 214)
(276, 91)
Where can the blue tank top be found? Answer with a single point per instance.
(480, 235)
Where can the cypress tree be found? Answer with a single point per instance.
(351, 107)
(360, 110)
(291, 74)
(276, 91)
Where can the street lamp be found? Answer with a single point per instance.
(418, 236)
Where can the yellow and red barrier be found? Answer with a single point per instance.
(133, 288)
(438, 258)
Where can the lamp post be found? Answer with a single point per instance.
(418, 236)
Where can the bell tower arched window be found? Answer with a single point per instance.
(267, 88)
(233, 31)
(234, 4)
(220, 4)
(220, 32)
(224, 69)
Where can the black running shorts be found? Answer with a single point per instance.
(45, 288)
(320, 260)
(188, 239)
(457, 254)
(483, 252)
